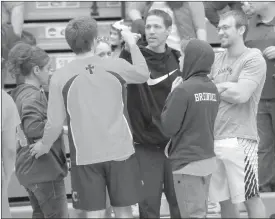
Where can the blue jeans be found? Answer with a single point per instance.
(266, 151)
(48, 200)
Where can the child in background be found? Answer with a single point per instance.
(43, 178)
(103, 48)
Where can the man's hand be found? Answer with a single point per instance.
(176, 82)
(269, 52)
(38, 149)
(129, 37)
(121, 26)
(222, 86)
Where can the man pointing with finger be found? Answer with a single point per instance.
(88, 93)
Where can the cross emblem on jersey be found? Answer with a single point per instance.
(90, 68)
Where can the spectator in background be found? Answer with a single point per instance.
(13, 13)
(103, 48)
(188, 20)
(212, 9)
(117, 43)
(9, 39)
(261, 35)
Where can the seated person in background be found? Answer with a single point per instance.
(13, 13)
(117, 43)
(43, 178)
(212, 9)
(188, 20)
(103, 48)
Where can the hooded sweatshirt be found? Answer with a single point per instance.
(191, 109)
(146, 101)
(31, 103)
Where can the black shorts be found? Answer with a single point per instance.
(122, 178)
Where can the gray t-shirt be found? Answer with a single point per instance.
(239, 120)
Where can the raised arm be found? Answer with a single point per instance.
(17, 17)
(138, 71)
(136, 10)
(198, 16)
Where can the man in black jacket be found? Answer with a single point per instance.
(145, 103)
(188, 118)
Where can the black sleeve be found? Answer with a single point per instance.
(126, 55)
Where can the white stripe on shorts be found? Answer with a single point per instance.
(251, 167)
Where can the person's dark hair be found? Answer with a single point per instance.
(80, 34)
(113, 47)
(23, 57)
(167, 20)
(240, 18)
(27, 37)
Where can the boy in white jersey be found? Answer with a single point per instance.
(88, 93)
(239, 73)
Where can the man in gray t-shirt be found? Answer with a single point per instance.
(239, 74)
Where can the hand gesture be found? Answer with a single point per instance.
(129, 37)
(120, 25)
(176, 82)
(38, 149)
(269, 52)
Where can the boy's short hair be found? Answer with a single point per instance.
(240, 18)
(80, 34)
(167, 20)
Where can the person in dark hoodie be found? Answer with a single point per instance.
(43, 178)
(188, 119)
(145, 103)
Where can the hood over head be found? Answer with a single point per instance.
(198, 59)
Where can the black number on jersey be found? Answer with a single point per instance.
(90, 68)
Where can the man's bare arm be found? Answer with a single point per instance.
(239, 92)
(17, 18)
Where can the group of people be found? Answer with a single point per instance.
(154, 110)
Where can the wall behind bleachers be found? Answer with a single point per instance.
(47, 22)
